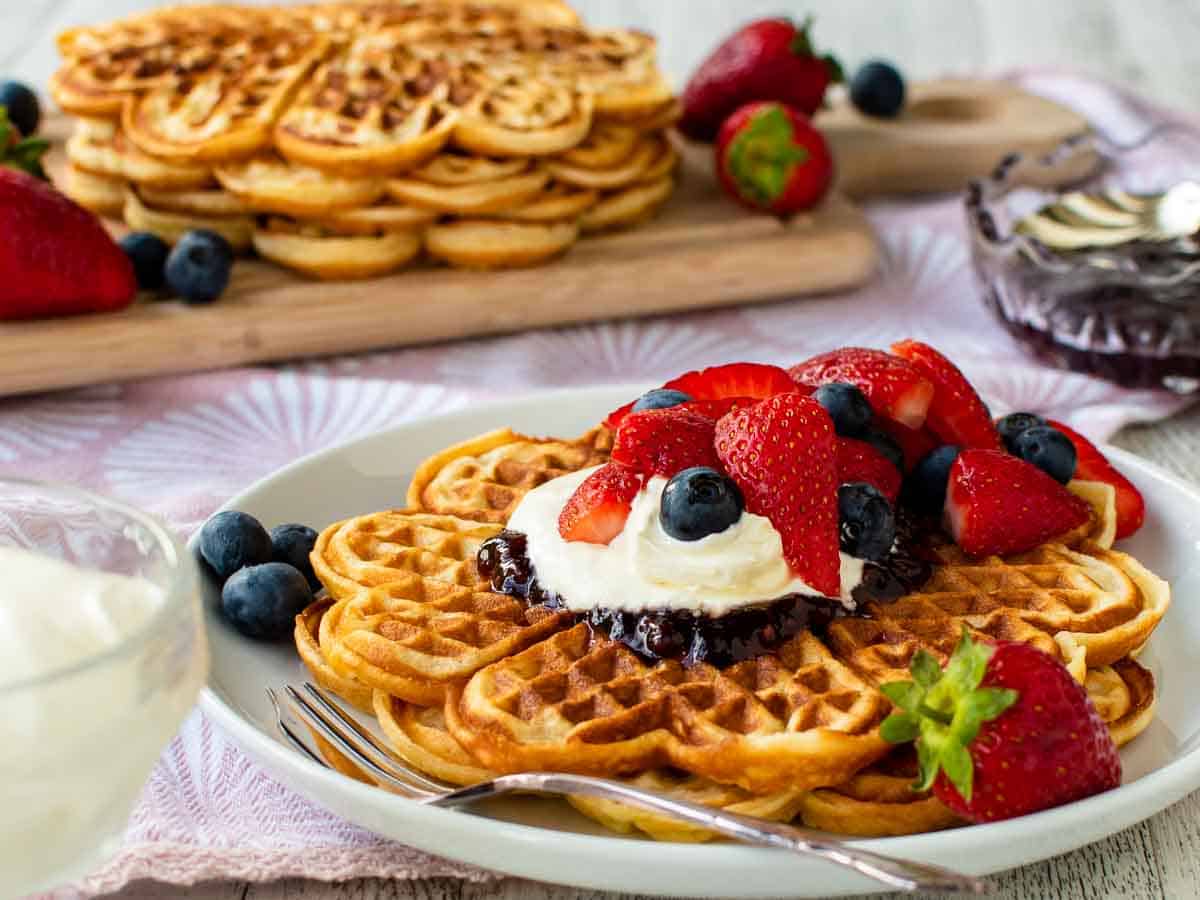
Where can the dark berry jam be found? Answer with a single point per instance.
(720, 641)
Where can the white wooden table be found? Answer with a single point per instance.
(1150, 46)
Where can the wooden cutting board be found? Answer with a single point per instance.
(702, 251)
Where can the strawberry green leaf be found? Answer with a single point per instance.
(802, 42)
(763, 155)
(925, 669)
(899, 728)
(25, 155)
(956, 763)
(837, 75)
(927, 767)
(904, 694)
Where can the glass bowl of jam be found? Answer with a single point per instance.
(1103, 277)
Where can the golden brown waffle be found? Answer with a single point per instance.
(106, 151)
(315, 251)
(417, 638)
(625, 172)
(271, 184)
(627, 207)
(488, 244)
(455, 169)
(1125, 696)
(380, 548)
(556, 203)
(102, 195)
(171, 226)
(199, 202)
(579, 702)
(486, 477)
(481, 198)
(381, 218)
(307, 637)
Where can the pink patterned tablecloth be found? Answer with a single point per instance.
(180, 446)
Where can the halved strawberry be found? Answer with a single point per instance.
(731, 382)
(859, 461)
(742, 379)
(957, 415)
(714, 409)
(915, 443)
(1092, 465)
(999, 504)
(665, 441)
(894, 386)
(597, 511)
(782, 452)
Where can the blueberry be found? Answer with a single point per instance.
(877, 90)
(292, 544)
(24, 111)
(866, 523)
(699, 501)
(263, 601)
(885, 444)
(846, 405)
(661, 398)
(232, 540)
(199, 266)
(1015, 424)
(1048, 449)
(925, 486)
(148, 253)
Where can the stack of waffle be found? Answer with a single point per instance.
(466, 682)
(342, 140)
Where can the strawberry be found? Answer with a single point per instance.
(859, 461)
(770, 59)
(1092, 465)
(782, 453)
(665, 441)
(730, 384)
(894, 386)
(957, 415)
(597, 511)
(56, 259)
(1002, 731)
(914, 443)
(770, 158)
(998, 504)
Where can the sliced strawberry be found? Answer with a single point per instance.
(614, 418)
(597, 511)
(665, 441)
(999, 504)
(743, 379)
(957, 415)
(1092, 465)
(782, 452)
(894, 386)
(915, 443)
(859, 461)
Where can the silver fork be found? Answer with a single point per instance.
(322, 713)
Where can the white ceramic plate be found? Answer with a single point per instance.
(546, 839)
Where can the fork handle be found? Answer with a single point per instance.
(896, 873)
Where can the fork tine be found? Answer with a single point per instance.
(286, 730)
(331, 705)
(363, 756)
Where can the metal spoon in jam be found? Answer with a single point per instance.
(1078, 220)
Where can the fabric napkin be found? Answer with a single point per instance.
(180, 446)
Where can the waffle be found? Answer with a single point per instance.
(380, 548)
(492, 126)
(270, 184)
(102, 195)
(171, 226)
(475, 199)
(579, 702)
(315, 251)
(486, 477)
(307, 638)
(487, 244)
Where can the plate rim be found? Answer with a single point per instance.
(1117, 809)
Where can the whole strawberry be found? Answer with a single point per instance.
(782, 453)
(1003, 731)
(56, 259)
(770, 158)
(771, 59)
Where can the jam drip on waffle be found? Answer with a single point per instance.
(684, 635)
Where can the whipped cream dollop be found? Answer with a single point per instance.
(644, 568)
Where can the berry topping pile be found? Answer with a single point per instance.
(830, 450)
(1002, 731)
(266, 578)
